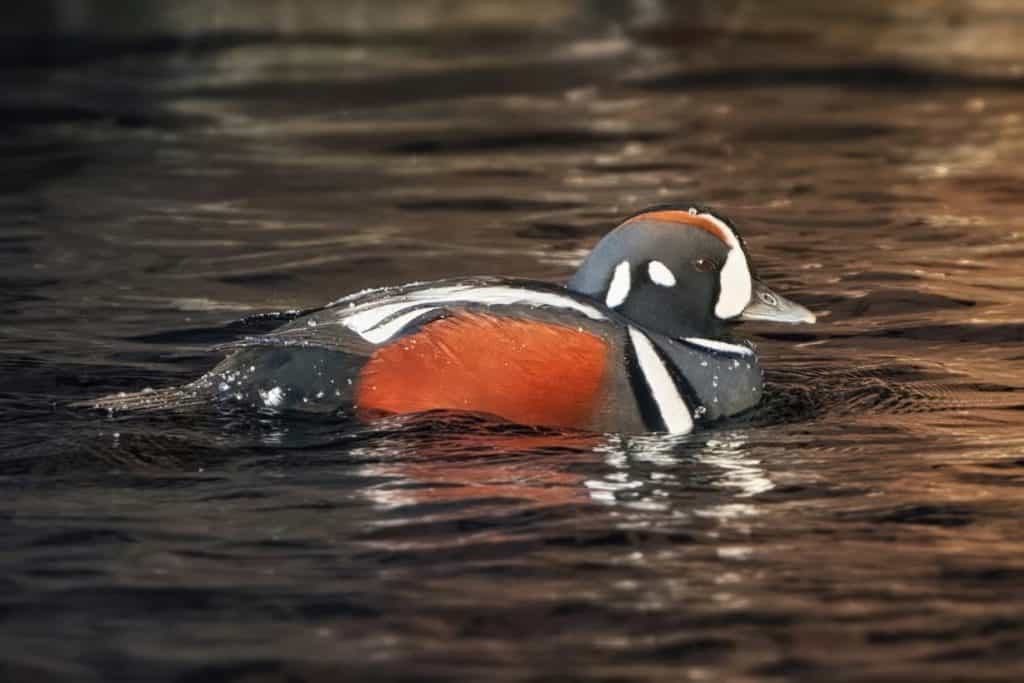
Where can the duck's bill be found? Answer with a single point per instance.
(768, 306)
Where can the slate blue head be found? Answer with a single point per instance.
(681, 270)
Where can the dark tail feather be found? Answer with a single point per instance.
(148, 401)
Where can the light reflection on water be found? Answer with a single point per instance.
(863, 525)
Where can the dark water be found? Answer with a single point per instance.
(864, 526)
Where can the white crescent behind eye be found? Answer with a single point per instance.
(736, 283)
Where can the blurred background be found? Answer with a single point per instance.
(170, 168)
(444, 130)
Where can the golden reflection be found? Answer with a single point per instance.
(469, 465)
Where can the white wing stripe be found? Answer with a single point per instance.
(373, 315)
(385, 331)
(366, 322)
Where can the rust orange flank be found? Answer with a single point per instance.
(524, 371)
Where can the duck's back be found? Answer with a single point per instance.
(523, 351)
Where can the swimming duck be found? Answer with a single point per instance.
(637, 341)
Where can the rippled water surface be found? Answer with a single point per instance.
(865, 525)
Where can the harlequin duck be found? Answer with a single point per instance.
(637, 341)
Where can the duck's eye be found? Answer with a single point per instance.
(705, 264)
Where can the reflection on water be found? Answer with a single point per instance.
(177, 169)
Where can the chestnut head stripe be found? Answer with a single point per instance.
(695, 220)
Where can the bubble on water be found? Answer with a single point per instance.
(311, 323)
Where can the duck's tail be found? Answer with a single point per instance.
(147, 401)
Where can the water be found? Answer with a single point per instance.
(863, 526)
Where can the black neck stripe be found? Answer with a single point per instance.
(682, 384)
(650, 412)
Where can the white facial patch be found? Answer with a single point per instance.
(736, 283)
(660, 274)
(618, 289)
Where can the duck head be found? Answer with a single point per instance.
(681, 271)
